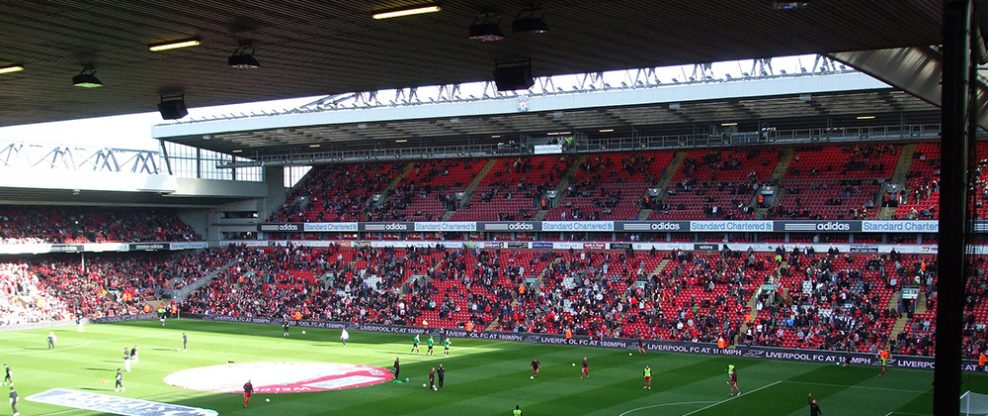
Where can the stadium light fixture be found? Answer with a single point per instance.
(401, 141)
(558, 133)
(10, 69)
(243, 57)
(237, 151)
(730, 124)
(407, 11)
(606, 130)
(314, 145)
(495, 136)
(172, 106)
(485, 29)
(177, 44)
(866, 117)
(87, 78)
(530, 20)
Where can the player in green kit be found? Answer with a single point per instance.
(517, 411)
(648, 378)
(446, 344)
(732, 380)
(415, 344)
(430, 343)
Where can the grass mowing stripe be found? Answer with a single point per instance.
(854, 386)
(485, 377)
(732, 398)
(665, 405)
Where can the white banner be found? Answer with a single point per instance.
(434, 227)
(732, 226)
(330, 227)
(927, 226)
(578, 226)
(547, 149)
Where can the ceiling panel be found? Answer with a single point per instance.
(310, 47)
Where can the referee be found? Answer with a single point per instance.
(13, 401)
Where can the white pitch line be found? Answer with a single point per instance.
(732, 398)
(664, 405)
(858, 387)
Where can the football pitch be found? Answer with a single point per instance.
(482, 377)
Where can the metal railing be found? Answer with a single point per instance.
(596, 145)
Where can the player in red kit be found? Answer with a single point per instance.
(585, 370)
(248, 390)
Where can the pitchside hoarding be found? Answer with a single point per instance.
(726, 226)
(99, 247)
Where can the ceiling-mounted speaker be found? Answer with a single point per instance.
(172, 108)
(516, 75)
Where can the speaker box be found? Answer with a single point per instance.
(172, 109)
(509, 78)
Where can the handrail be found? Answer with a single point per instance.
(909, 132)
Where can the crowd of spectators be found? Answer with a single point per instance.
(822, 182)
(835, 182)
(697, 297)
(715, 185)
(429, 189)
(60, 287)
(338, 193)
(23, 300)
(334, 283)
(834, 301)
(21, 224)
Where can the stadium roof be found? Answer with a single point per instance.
(321, 47)
(793, 102)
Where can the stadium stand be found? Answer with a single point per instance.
(338, 193)
(821, 183)
(717, 185)
(835, 182)
(22, 224)
(828, 300)
(832, 301)
(62, 287)
(610, 186)
(511, 190)
(921, 197)
(430, 188)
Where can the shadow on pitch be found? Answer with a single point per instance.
(99, 369)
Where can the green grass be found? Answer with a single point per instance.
(483, 377)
